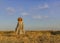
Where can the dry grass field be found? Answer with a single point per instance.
(30, 37)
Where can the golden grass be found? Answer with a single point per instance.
(30, 37)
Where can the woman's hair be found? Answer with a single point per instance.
(19, 19)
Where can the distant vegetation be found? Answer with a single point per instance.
(55, 32)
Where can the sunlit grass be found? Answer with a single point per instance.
(30, 37)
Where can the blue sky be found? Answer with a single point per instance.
(37, 14)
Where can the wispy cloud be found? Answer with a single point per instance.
(22, 11)
(44, 6)
(39, 17)
(46, 16)
(10, 10)
(41, 6)
(24, 14)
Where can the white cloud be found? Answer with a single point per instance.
(37, 17)
(22, 11)
(39, 7)
(10, 10)
(45, 16)
(24, 14)
(43, 6)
